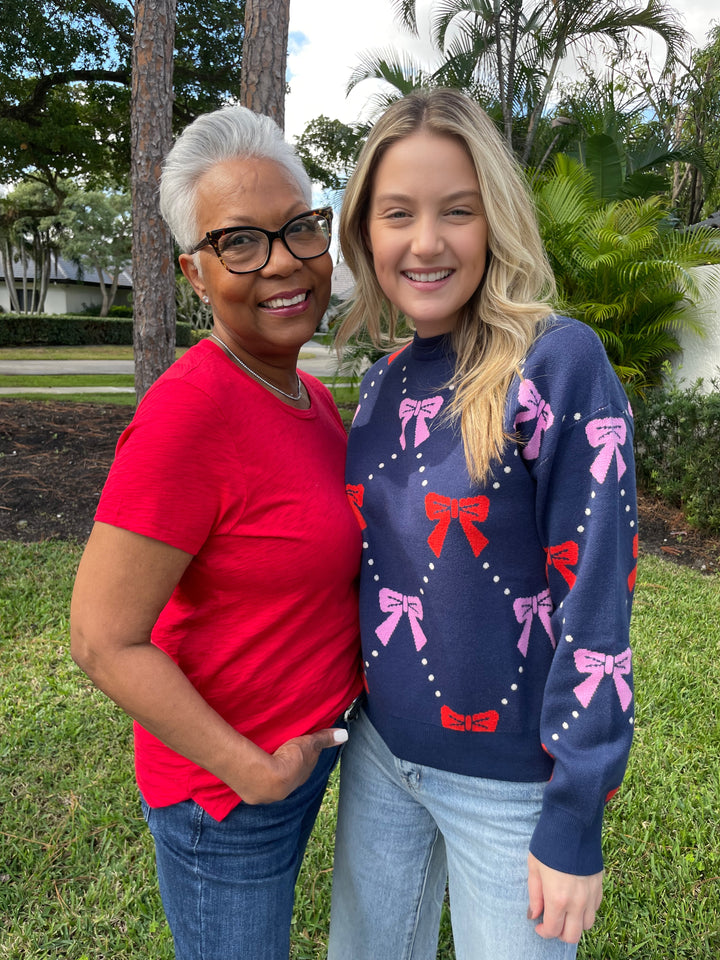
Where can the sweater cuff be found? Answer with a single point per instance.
(564, 843)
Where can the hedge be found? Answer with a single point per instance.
(677, 451)
(17, 329)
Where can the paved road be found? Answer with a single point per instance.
(315, 358)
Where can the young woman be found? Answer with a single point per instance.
(490, 467)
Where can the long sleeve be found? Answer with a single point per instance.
(582, 462)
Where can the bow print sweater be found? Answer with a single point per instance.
(495, 618)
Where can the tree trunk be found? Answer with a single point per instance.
(264, 58)
(153, 267)
(105, 305)
(43, 256)
(9, 271)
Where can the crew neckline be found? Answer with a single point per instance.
(438, 347)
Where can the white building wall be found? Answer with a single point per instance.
(56, 300)
(700, 358)
(67, 298)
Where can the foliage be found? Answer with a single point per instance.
(97, 234)
(610, 124)
(329, 148)
(621, 268)
(77, 862)
(677, 441)
(74, 330)
(685, 110)
(509, 55)
(30, 232)
(189, 308)
(65, 82)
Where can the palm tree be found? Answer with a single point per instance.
(621, 268)
(508, 53)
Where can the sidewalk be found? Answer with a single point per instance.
(315, 358)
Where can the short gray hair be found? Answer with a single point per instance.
(229, 133)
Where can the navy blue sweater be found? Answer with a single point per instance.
(495, 618)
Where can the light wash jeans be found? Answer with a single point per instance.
(228, 887)
(403, 830)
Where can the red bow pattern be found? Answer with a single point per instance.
(470, 722)
(468, 511)
(632, 576)
(562, 556)
(356, 494)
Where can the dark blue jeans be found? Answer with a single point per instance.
(228, 887)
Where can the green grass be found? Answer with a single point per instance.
(105, 352)
(70, 380)
(76, 869)
(98, 352)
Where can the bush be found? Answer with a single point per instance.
(677, 441)
(17, 329)
(119, 310)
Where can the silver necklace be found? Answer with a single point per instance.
(250, 370)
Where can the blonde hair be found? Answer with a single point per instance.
(507, 311)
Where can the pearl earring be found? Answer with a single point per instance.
(206, 299)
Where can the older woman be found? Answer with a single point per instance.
(215, 601)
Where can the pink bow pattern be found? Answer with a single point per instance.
(536, 409)
(610, 434)
(526, 609)
(396, 604)
(423, 410)
(600, 665)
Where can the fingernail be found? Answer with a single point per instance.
(340, 736)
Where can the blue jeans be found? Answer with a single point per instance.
(228, 887)
(403, 831)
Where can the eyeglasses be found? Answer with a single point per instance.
(246, 249)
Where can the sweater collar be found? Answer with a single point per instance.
(438, 347)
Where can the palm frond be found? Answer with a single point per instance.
(403, 73)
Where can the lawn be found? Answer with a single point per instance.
(86, 381)
(76, 873)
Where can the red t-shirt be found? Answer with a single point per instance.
(264, 621)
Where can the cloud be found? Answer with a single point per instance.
(297, 41)
(328, 36)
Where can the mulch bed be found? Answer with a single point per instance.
(54, 458)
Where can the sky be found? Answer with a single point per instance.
(328, 36)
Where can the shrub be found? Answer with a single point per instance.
(677, 440)
(622, 269)
(119, 310)
(17, 329)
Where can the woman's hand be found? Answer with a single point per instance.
(123, 582)
(568, 903)
(291, 765)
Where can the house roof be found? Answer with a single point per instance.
(712, 221)
(63, 271)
